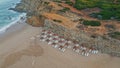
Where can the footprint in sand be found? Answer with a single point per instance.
(11, 59)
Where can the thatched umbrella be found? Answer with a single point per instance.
(62, 48)
(55, 45)
(76, 48)
(44, 31)
(83, 46)
(67, 45)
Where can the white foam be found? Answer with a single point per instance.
(2, 30)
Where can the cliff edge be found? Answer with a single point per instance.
(66, 21)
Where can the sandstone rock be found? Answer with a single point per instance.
(35, 21)
(34, 10)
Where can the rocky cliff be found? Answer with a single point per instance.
(35, 17)
(34, 9)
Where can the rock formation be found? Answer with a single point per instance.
(35, 17)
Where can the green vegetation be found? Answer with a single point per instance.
(115, 35)
(57, 20)
(59, 1)
(81, 4)
(109, 9)
(91, 23)
(69, 2)
(64, 9)
(46, 3)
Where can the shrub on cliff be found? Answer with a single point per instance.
(91, 23)
(57, 20)
(115, 35)
(69, 2)
(64, 10)
(110, 10)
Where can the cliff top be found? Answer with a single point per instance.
(64, 20)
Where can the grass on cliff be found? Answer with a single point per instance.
(64, 9)
(59, 21)
(110, 9)
(115, 35)
(91, 23)
(69, 2)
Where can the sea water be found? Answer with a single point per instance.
(8, 17)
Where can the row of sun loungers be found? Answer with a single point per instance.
(62, 44)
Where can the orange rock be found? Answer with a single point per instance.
(35, 21)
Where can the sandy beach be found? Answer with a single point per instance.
(16, 51)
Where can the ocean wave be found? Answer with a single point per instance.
(3, 29)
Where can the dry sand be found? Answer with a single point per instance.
(16, 51)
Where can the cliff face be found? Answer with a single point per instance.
(28, 5)
(35, 21)
(35, 10)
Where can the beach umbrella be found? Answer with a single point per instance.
(61, 38)
(91, 49)
(45, 36)
(85, 53)
(55, 45)
(41, 38)
(61, 48)
(77, 44)
(94, 51)
(54, 39)
(61, 42)
(51, 34)
(76, 49)
(42, 34)
(51, 38)
(50, 42)
(48, 36)
(47, 40)
(43, 31)
(83, 47)
(69, 41)
(55, 36)
(67, 45)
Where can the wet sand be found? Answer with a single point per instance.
(16, 51)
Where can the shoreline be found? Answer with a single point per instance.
(16, 52)
(10, 38)
(20, 19)
(17, 27)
